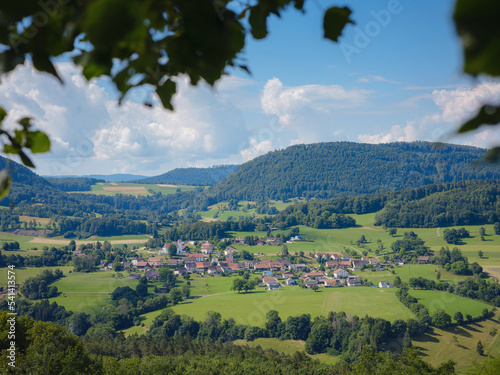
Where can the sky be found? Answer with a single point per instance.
(396, 75)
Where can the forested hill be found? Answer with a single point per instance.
(191, 176)
(73, 183)
(23, 177)
(450, 204)
(326, 170)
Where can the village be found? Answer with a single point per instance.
(325, 270)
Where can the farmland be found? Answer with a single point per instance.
(112, 188)
(89, 292)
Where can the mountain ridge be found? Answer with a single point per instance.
(332, 169)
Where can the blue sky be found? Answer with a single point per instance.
(394, 76)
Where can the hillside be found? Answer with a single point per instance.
(450, 204)
(327, 170)
(191, 176)
(24, 179)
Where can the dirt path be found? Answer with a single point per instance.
(430, 238)
(351, 247)
(211, 295)
(373, 228)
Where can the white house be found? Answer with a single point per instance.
(384, 284)
(340, 274)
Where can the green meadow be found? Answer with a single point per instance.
(450, 303)
(24, 241)
(427, 271)
(22, 273)
(134, 189)
(251, 308)
(286, 347)
(89, 291)
(458, 344)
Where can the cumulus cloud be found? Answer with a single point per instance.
(256, 148)
(423, 130)
(88, 128)
(455, 107)
(308, 113)
(459, 105)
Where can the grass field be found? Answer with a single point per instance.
(27, 244)
(88, 291)
(220, 210)
(210, 284)
(407, 271)
(89, 303)
(24, 241)
(458, 343)
(134, 189)
(450, 303)
(23, 273)
(286, 347)
(251, 308)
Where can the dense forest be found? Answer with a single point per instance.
(470, 202)
(465, 203)
(326, 170)
(191, 176)
(47, 348)
(450, 204)
(73, 183)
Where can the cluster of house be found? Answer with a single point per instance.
(206, 262)
(316, 278)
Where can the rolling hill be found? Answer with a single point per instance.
(327, 170)
(191, 176)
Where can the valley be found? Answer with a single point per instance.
(135, 254)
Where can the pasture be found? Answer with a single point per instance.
(451, 303)
(84, 292)
(459, 343)
(286, 347)
(113, 188)
(251, 308)
(28, 244)
(22, 273)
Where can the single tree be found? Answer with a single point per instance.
(480, 348)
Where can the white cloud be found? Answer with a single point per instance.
(461, 104)
(89, 130)
(455, 107)
(256, 149)
(375, 78)
(308, 113)
(408, 133)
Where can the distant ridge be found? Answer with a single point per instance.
(191, 176)
(328, 170)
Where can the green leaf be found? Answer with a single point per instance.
(476, 22)
(493, 155)
(43, 64)
(334, 22)
(3, 114)
(26, 160)
(487, 115)
(165, 92)
(5, 182)
(257, 20)
(40, 142)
